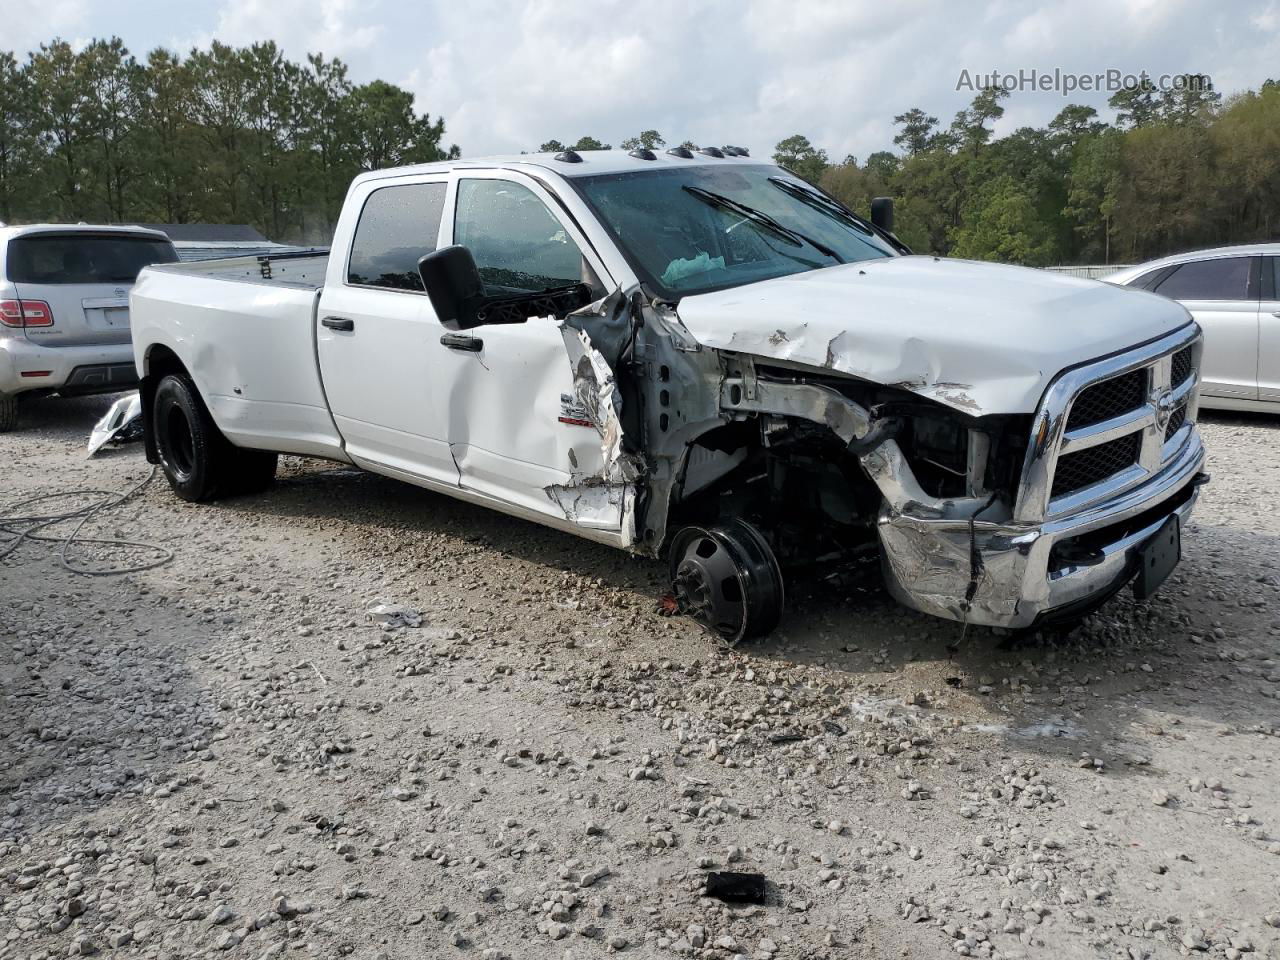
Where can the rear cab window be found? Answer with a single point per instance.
(1224, 278)
(398, 227)
(83, 258)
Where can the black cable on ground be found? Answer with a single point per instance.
(22, 528)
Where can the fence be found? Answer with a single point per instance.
(1092, 272)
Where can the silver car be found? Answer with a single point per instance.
(64, 308)
(1234, 293)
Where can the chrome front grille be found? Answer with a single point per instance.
(1183, 364)
(1110, 398)
(1108, 426)
(1082, 469)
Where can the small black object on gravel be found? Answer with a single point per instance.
(736, 887)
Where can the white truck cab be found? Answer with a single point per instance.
(702, 355)
(64, 308)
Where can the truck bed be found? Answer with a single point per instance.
(299, 268)
(244, 328)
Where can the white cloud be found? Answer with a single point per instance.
(509, 74)
(28, 23)
(338, 28)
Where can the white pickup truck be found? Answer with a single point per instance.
(703, 355)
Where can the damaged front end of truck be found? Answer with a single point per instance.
(740, 466)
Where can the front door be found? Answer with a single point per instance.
(1222, 294)
(515, 430)
(379, 340)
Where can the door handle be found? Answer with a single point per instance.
(460, 341)
(1276, 313)
(338, 323)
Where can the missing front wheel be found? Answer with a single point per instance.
(727, 578)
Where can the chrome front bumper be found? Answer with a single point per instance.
(1007, 574)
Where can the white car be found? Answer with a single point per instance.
(1234, 294)
(698, 355)
(64, 308)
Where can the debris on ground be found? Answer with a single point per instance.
(225, 757)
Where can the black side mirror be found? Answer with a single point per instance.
(453, 283)
(882, 213)
(457, 293)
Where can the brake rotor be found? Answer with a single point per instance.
(727, 579)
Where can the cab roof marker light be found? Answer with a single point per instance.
(642, 153)
(711, 152)
(569, 156)
(683, 153)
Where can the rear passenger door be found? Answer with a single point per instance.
(1222, 294)
(1269, 331)
(378, 338)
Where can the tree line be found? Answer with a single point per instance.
(245, 135)
(1178, 169)
(224, 135)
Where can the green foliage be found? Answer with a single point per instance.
(648, 139)
(1000, 222)
(590, 143)
(799, 156)
(916, 135)
(1180, 169)
(225, 135)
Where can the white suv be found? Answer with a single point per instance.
(64, 308)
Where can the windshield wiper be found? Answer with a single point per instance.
(823, 204)
(762, 219)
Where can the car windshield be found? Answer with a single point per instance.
(84, 258)
(695, 229)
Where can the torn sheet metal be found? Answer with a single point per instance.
(605, 500)
(595, 387)
(596, 504)
(596, 396)
(977, 337)
(122, 424)
(883, 461)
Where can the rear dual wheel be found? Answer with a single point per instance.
(198, 461)
(727, 578)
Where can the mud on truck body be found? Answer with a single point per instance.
(702, 356)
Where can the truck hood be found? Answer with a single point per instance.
(981, 338)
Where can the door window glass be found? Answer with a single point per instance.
(518, 245)
(397, 227)
(1226, 278)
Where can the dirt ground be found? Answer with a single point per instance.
(226, 757)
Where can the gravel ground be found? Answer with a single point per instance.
(225, 757)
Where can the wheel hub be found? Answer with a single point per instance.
(727, 578)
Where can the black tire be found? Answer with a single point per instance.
(198, 461)
(8, 412)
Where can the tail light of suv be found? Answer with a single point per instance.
(25, 313)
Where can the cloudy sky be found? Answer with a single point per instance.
(509, 74)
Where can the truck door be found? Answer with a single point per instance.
(1222, 294)
(1269, 332)
(514, 428)
(379, 340)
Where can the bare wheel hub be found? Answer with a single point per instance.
(727, 578)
